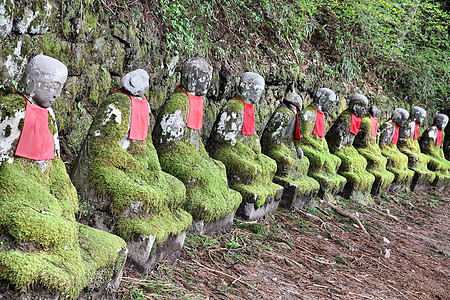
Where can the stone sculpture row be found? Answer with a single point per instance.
(146, 187)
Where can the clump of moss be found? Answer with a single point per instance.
(132, 182)
(437, 161)
(208, 196)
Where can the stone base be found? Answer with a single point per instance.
(292, 197)
(146, 260)
(248, 211)
(420, 182)
(395, 186)
(376, 187)
(356, 195)
(199, 227)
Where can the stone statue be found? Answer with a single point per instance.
(119, 175)
(234, 142)
(447, 140)
(408, 143)
(340, 139)
(431, 143)
(397, 162)
(181, 152)
(366, 143)
(323, 165)
(44, 249)
(278, 142)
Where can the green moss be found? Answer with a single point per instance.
(131, 176)
(435, 154)
(10, 104)
(100, 81)
(397, 163)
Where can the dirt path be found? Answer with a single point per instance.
(290, 255)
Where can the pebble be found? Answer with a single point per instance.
(386, 240)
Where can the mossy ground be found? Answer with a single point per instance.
(45, 245)
(132, 176)
(323, 164)
(208, 196)
(277, 143)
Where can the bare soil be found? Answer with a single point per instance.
(315, 254)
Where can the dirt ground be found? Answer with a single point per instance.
(315, 254)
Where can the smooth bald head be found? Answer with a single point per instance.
(400, 116)
(294, 99)
(323, 99)
(358, 105)
(196, 75)
(418, 114)
(374, 112)
(251, 87)
(136, 82)
(43, 80)
(441, 121)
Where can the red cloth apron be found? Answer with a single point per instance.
(248, 128)
(416, 131)
(195, 118)
(355, 125)
(319, 127)
(374, 125)
(395, 136)
(36, 140)
(139, 117)
(439, 138)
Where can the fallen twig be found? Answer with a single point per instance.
(345, 214)
(384, 214)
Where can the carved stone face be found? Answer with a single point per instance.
(323, 99)
(136, 82)
(43, 80)
(418, 114)
(374, 111)
(251, 87)
(358, 105)
(400, 116)
(441, 121)
(196, 75)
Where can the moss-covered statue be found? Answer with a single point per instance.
(340, 139)
(431, 143)
(176, 136)
(43, 250)
(408, 143)
(323, 165)
(234, 141)
(278, 142)
(447, 142)
(366, 143)
(397, 162)
(118, 173)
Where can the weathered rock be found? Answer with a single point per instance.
(367, 145)
(340, 139)
(45, 253)
(397, 162)
(323, 164)
(408, 143)
(429, 145)
(182, 153)
(277, 142)
(122, 180)
(249, 171)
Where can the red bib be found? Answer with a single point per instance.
(195, 118)
(439, 138)
(416, 131)
(248, 128)
(139, 117)
(395, 136)
(355, 125)
(36, 140)
(374, 125)
(319, 127)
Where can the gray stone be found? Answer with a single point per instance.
(135, 82)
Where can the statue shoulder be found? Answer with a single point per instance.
(10, 105)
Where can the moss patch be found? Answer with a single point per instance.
(437, 161)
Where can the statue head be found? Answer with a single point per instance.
(400, 116)
(441, 121)
(135, 82)
(374, 112)
(294, 99)
(251, 87)
(418, 114)
(43, 80)
(196, 75)
(323, 99)
(358, 105)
